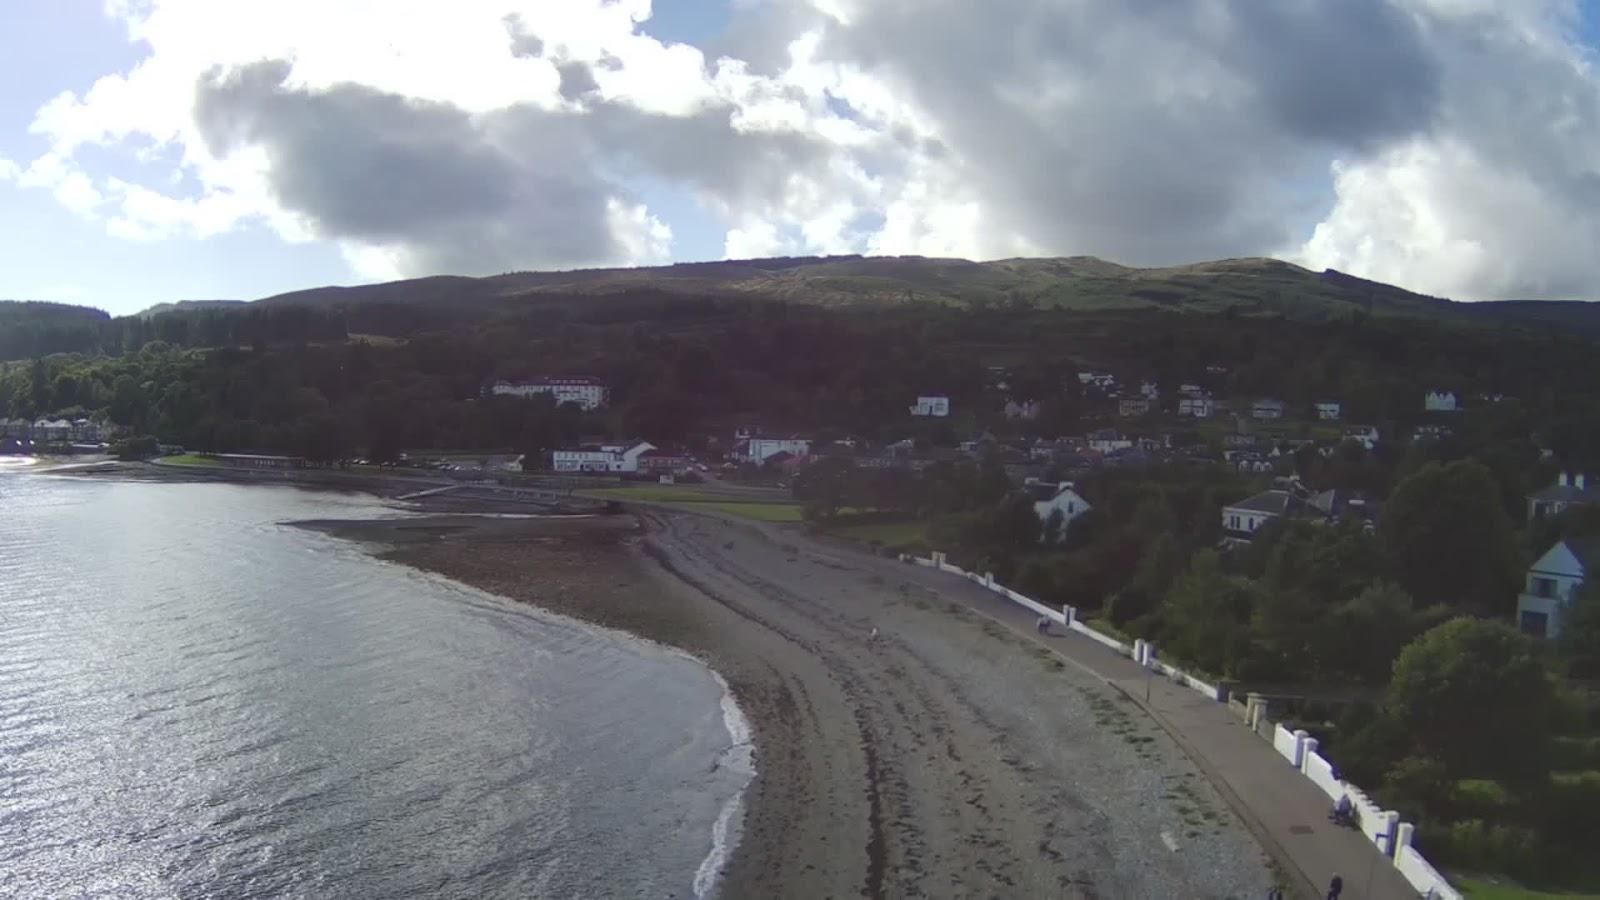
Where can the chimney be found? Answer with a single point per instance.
(1562, 480)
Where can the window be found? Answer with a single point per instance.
(1534, 624)
(1542, 587)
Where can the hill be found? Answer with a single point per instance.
(28, 327)
(188, 305)
(1251, 287)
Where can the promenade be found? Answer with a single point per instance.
(1287, 813)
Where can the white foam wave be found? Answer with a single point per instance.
(739, 757)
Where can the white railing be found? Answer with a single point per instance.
(1382, 827)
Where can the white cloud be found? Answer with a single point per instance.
(1448, 145)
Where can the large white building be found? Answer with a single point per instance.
(935, 406)
(1240, 521)
(754, 448)
(1197, 406)
(1439, 401)
(1553, 586)
(589, 393)
(600, 457)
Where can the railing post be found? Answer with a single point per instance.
(1308, 746)
(1070, 614)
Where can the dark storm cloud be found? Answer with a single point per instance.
(1154, 130)
(523, 187)
(383, 169)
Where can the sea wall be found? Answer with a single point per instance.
(1383, 828)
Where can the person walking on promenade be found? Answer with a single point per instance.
(1335, 887)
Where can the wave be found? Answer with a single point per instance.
(739, 757)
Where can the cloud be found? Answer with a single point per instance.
(1443, 144)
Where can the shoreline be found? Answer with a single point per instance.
(947, 757)
(428, 543)
(943, 759)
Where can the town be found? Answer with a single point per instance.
(1358, 526)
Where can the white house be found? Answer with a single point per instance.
(1049, 497)
(1026, 409)
(52, 430)
(754, 448)
(1240, 521)
(1439, 401)
(1198, 407)
(1267, 409)
(589, 393)
(1108, 440)
(1570, 489)
(1554, 582)
(1328, 411)
(600, 457)
(937, 407)
(1150, 390)
(1129, 407)
(1365, 435)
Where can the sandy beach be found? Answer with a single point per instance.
(945, 758)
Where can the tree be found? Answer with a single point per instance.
(1204, 614)
(1472, 694)
(1580, 632)
(1449, 539)
(824, 486)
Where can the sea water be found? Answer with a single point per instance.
(197, 700)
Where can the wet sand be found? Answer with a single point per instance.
(945, 758)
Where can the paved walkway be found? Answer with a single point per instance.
(1285, 810)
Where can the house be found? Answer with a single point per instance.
(1267, 409)
(1365, 435)
(1554, 582)
(1250, 461)
(1328, 411)
(52, 430)
(662, 462)
(1570, 489)
(935, 406)
(1027, 409)
(1341, 504)
(1108, 440)
(1105, 381)
(755, 448)
(588, 393)
(1150, 390)
(621, 457)
(1197, 406)
(1431, 432)
(1129, 407)
(1240, 521)
(1052, 497)
(1440, 401)
(17, 429)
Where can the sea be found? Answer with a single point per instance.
(198, 700)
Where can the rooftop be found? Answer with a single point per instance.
(1277, 503)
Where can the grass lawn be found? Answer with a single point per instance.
(191, 459)
(688, 495)
(889, 534)
(1487, 890)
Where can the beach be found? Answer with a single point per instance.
(943, 757)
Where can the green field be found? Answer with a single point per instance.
(695, 498)
(891, 534)
(1486, 890)
(190, 459)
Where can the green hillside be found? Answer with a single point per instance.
(1239, 286)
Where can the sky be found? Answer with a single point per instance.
(155, 150)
